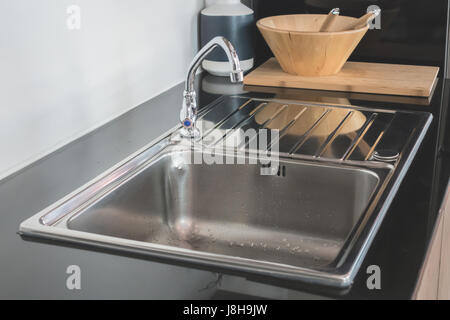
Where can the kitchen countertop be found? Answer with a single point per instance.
(37, 270)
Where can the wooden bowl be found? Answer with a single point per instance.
(302, 50)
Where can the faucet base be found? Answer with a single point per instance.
(193, 133)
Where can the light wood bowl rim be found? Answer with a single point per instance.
(260, 25)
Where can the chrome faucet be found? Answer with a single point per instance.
(188, 114)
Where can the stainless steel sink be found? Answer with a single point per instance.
(311, 221)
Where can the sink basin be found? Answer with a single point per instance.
(270, 218)
(311, 221)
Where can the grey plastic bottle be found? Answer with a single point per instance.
(234, 21)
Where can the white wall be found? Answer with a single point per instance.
(57, 84)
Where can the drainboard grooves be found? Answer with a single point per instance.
(290, 123)
(240, 124)
(252, 113)
(282, 122)
(370, 138)
(221, 122)
(219, 102)
(359, 136)
(286, 129)
(374, 145)
(322, 131)
(261, 119)
(267, 114)
(383, 135)
(258, 109)
(300, 127)
(308, 132)
(269, 121)
(275, 121)
(245, 104)
(332, 135)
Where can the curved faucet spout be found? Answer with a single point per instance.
(188, 114)
(236, 74)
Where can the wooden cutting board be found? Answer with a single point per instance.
(381, 78)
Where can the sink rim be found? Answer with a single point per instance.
(340, 277)
(44, 224)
